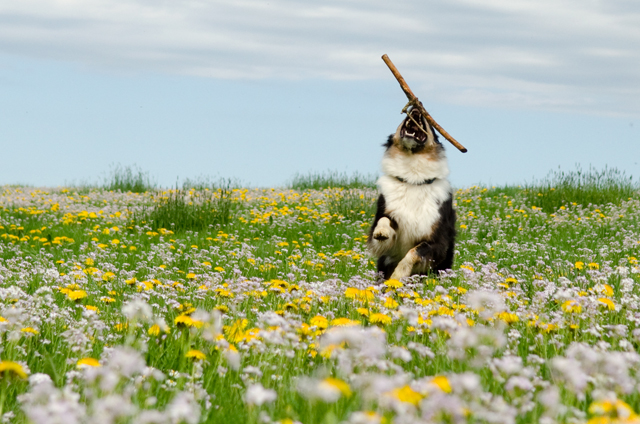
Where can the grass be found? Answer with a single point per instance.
(332, 179)
(578, 187)
(181, 210)
(128, 179)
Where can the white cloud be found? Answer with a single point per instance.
(579, 55)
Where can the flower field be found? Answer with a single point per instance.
(272, 311)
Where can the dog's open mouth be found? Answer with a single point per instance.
(410, 128)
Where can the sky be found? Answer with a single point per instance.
(262, 90)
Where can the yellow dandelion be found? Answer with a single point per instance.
(379, 318)
(187, 321)
(579, 265)
(407, 395)
(363, 311)
(108, 276)
(319, 321)
(337, 384)
(344, 322)
(390, 303)
(571, 307)
(196, 354)
(76, 294)
(191, 276)
(394, 284)
(594, 265)
(30, 330)
(608, 303)
(442, 382)
(222, 308)
(87, 362)
(9, 368)
(508, 317)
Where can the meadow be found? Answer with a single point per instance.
(212, 303)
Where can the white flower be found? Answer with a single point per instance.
(487, 303)
(258, 395)
(137, 310)
(183, 409)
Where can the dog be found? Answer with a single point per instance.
(413, 231)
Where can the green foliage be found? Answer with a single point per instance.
(560, 188)
(129, 178)
(204, 182)
(179, 210)
(332, 179)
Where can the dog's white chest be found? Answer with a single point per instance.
(415, 208)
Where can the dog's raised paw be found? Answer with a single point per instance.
(381, 235)
(383, 231)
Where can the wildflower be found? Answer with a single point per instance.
(612, 411)
(137, 310)
(320, 322)
(407, 395)
(191, 276)
(9, 368)
(363, 311)
(196, 354)
(344, 322)
(594, 265)
(608, 303)
(222, 308)
(92, 308)
(338, 384)
(508, 317)
(30, 330)
(257, 395)
(87, 362)
(394, 284)
(187, 321)
(390, 303)
(76, 294)
(442, 382)
(108, 276)
(379, 318)
(328, 390)
(579, 265)
(511, 281)
(571, 307)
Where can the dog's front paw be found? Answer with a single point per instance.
(382, 234)
(383, 230)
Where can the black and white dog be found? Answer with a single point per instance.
(414, 228)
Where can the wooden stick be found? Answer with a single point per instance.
(414, 100)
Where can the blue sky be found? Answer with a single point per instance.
(260, 90)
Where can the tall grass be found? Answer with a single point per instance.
(582, 187)
(129, 178)
(332, 179)
(180, 210)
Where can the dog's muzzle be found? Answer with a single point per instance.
(411, 131)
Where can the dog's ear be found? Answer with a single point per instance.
(389, 142)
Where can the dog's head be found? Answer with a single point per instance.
(411, 138)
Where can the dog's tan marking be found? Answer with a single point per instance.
(406, 265)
